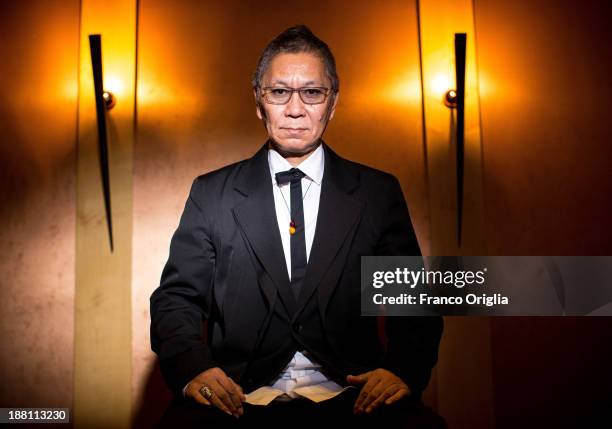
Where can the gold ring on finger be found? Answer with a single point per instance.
(206, 392)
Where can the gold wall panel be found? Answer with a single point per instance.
(439, 21)
(102, 387)
(464, 372)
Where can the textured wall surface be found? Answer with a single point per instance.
(545, 70)
(545, 87)
(38, 102)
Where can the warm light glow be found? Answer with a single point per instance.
(114, 84)
(155, 93)
(70, 90)
(406, 90)
(440, 83)
(440, 21)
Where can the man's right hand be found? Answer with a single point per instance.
(226, 394)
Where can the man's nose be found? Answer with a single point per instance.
(295, 106)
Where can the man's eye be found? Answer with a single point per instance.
(313, 91)
(279, 91)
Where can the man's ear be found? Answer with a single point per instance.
(258, 111)
(333, 107)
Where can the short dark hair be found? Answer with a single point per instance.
(294, 40)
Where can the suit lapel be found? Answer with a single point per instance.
(256, 216)
(338, 213)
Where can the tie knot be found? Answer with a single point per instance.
(293, 175)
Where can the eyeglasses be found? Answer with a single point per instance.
(309, 95)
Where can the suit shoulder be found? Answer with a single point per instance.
(371, 177)
(220, 173)
(217, 179)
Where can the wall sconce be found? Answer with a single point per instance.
(450, 99)
(104, 101)
(455, 99)
(109, 99)
(460, 52)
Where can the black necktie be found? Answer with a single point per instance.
(298, 238)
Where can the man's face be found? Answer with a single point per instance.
(296, 127)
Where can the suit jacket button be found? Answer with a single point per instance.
(297, 328)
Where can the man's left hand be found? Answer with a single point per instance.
(379, 386)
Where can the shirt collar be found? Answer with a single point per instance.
(312, 166)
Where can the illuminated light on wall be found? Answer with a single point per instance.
(407, 90)
(439, 21)
(69, 90)
(152, 94)
(440, 83)
(102, 381)
(115, 85)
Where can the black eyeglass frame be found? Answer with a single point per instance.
(266, 90)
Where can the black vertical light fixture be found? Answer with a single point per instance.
(460, 48)
(104, 101)
(456, 99)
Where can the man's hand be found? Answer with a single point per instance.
(379, 385)
(226, 394)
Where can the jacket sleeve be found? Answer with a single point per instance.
(182, 302)
(412, 341)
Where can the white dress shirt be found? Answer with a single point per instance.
(302, 376)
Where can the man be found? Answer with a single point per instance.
(267, 252)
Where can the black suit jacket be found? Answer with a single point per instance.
(227, 267)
